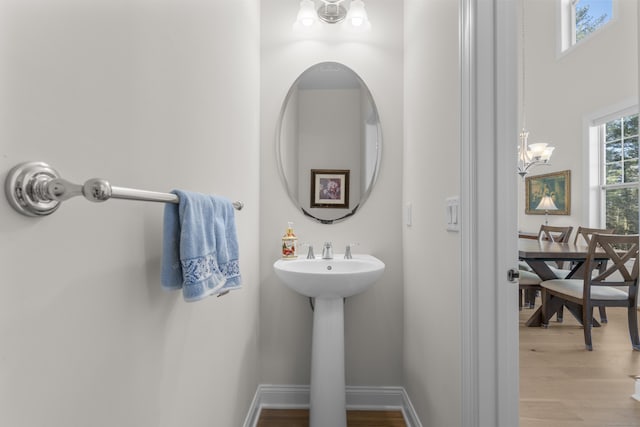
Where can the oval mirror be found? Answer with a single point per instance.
(329, 142)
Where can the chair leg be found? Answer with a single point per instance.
(633, 327)
(520, 299)
(546, 303)
(587, 315)
(527, 298)
(603, 314)
(560, 314)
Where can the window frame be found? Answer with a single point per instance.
(566, 19)
(595, 201)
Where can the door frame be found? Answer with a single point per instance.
(489, 313)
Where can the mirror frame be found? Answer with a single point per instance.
(365, 194)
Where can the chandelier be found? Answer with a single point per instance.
(529, 155)
(354, 17)
(532, 154)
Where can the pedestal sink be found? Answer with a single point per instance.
(329, 281)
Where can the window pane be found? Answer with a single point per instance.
(631, 148)
(591, 15)
(614, 151)
(631, 171)
(614, 130)
(631, 125)
(622, 210)
(614, 173)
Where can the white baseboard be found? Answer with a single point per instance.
(358, 398)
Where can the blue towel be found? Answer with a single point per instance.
(200, 246)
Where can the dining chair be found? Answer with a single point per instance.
(529, 283)
(615, 286)
(583, 235)
(555, 233)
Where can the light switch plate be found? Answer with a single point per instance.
(409, 214)
(453, 213)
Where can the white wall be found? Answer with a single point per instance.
(562, 91)
(373, 319)
(432, 359)
(146, 94)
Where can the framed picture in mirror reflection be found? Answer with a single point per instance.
(330, 188)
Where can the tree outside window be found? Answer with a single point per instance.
(591, 15)
(620, 174)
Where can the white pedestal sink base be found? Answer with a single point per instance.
(329, 281)
(328, 394)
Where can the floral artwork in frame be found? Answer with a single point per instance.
(556, 185)
(330, 188)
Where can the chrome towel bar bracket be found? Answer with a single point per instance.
(36, 189)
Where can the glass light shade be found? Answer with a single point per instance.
(536, 150)
(307, 15)
(546, 154)
(357, 18)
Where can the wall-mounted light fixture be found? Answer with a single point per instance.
(353, 17)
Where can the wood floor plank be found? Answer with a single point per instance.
(300, 418)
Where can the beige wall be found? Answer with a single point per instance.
(373, 319)
(596, 75)
(432, 360)
(143, 93)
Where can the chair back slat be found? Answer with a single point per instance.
(586, 233)
(622, 268)
(554, 233)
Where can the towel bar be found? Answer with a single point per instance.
(36, 189)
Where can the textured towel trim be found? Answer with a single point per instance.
(200, 269)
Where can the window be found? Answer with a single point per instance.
(579, 18)
(619, 174)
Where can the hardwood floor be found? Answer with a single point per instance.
(563, 385)
(300, 418)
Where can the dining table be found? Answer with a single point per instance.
(537, 254)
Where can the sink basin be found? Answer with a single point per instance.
(329, 281)
(329, 278)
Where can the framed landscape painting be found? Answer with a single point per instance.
(556, 185)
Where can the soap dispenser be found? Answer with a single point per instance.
(289, 243)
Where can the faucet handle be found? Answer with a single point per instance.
(310, 254)
(347, 250)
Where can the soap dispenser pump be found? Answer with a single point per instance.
(289, 243)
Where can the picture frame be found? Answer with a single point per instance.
(557, 185)
(330, 188)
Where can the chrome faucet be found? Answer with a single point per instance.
(327, 251)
